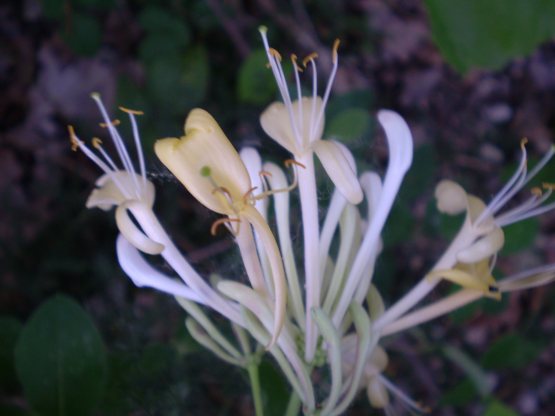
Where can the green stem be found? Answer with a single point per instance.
(294, 405)
(255, 386)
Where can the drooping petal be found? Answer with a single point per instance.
(205, 161)
(144, 275)
(131, 232)
(340, 167)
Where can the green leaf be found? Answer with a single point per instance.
(84, 36)
(61, 360)
(53, 9)
(256, 84)
(463, 393)
(166, 27)
(9, 332)
(177, 84)
(520, 236)
(511, 351)
(274, 387)
(349, 125)
(474, 372)
(496, 408)
(420, 175)
(487, 34)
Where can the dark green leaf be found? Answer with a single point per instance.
(520, 236)
(84, 35)
(463, 393)
(256, 84)
(348, 125)
(511, 351)
(496, 408)
(487, 34)
(61, 360)
(276, 390)
(53, 9)
(166, 27)
(9, 331)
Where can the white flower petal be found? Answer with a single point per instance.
(340, 167)
(483, 248)
(109, 190)
(144, 275)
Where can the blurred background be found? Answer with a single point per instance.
(472, 78)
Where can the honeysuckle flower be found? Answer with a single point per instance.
(125, 187)
(207, 164)
(298, 125)
(471, 257)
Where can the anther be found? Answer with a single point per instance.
(334, 50)
(523, 143)
(113, 123)
(265, 173)
(249, 194)
(275, 53)
(294, 61)
(310, 57)
(216, 224)
(222, 190)
(73, 138)
(96, 142)
(536, 191)
(548, 186)
(130, 111)
(290, 162)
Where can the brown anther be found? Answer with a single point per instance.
(536, 191)
(523, 143)
(548, 186)
(216, 224)
(334, 50)
(130, 111)
(248, 193)
(275, 53)
(114, 123)
(290, 162)
(310, 57)
(73, 138)
(222, 190)
(265, 173)
(294, 61)
(96, 142)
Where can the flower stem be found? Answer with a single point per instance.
(254, 377)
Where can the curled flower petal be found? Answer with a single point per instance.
(340, 167)
(109, 190)
(483, 248)
(144, 275)
(451, 197)
(132, 233)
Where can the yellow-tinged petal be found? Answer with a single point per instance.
(483, 248)
(276, 122)
(207, 164)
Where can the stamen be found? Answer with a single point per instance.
(112, 123)
(290, 162)
(249, 194)
(548, 186)
(334, 49)
(73, 138)
(130, 111)
(536, 191)
(96, 142)
(275, 53)
(294, 59)
(224, 221)
(309, 58)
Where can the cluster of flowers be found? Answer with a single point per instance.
(323, 310)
